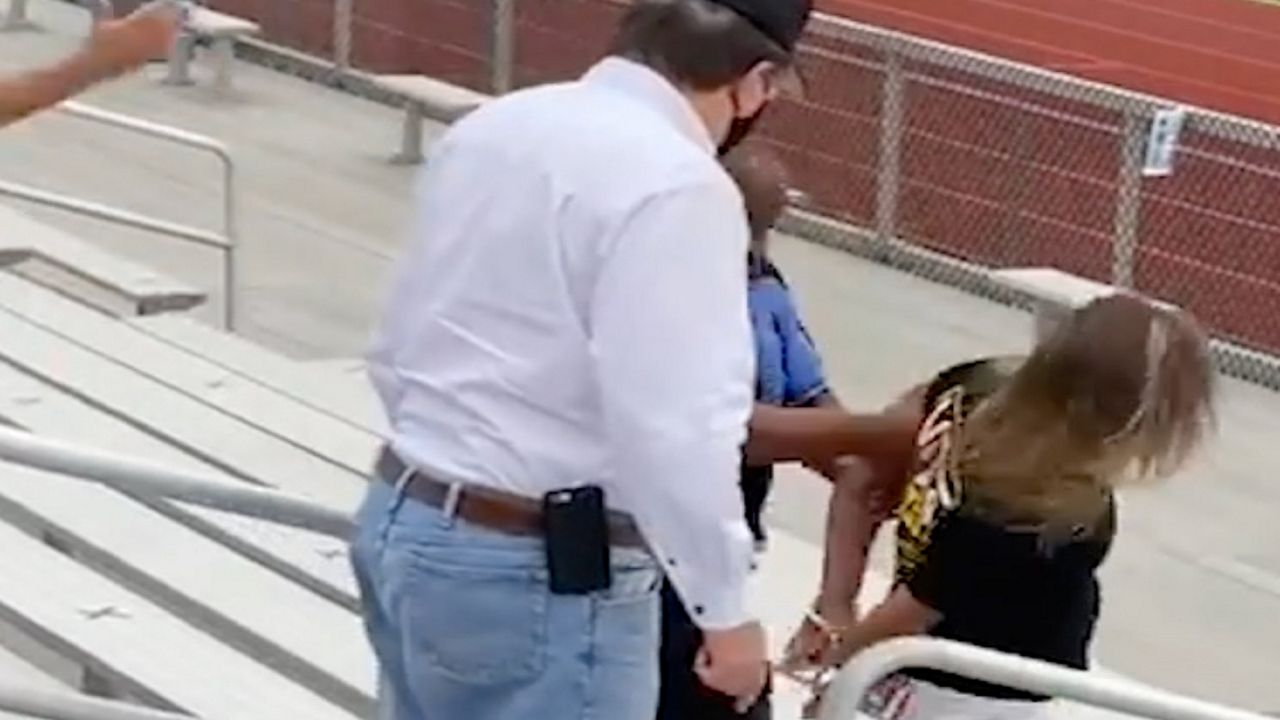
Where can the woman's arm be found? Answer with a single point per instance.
(865, 493)
(899, 615)
(851, 526)
(115, 48)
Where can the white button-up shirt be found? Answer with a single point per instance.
(572, 310)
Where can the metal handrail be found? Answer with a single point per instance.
(112, 214)
(227, 242)
(1034, 676)
(144, 478)
(30, 702)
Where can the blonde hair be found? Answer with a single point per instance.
(1120, 392)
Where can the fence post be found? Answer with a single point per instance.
(343, 14)
(16, 18)
(502, 46)
(889, 170)
(1124, 244)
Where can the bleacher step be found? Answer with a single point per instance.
(39, 328)
(233, 394)
(140, 417)
(354, 402)
(202, 581)
(23, 238)
(156, 656)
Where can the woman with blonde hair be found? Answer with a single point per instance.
(1009, 508)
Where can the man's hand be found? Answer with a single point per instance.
(118, 46)
(735, 662)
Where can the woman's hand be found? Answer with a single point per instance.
(819, 634)
(810, 653)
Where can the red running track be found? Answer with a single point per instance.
(1220, 54)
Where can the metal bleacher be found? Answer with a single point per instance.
(143, 591)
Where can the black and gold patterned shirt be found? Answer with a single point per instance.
(996, 587)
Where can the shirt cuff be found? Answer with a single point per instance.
(720, 604)
(721, 608)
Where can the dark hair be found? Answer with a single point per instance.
(694, 43)
(763, 182)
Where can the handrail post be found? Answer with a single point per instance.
(502, 46)
(230, 229)
(230, 202)
(15, 18)
(100, 10)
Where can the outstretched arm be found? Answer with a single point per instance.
(863, 494)
(785, 434)
(115, 48)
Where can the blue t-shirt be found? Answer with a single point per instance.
(788, 368)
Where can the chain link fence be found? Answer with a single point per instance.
(906, 148)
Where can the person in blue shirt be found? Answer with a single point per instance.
(788, 366)
(789, 373)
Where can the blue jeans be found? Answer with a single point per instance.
(465, 627)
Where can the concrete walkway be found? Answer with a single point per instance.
(1192, 590)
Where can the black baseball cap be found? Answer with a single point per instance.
(782, 21)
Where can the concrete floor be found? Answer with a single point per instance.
(1192, 590)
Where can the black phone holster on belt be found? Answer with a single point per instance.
(576, 530)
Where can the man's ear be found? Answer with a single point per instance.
(781, 80)
(753, 90)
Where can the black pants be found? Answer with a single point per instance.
(756, 483)
(683, 696)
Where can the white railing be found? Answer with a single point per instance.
(225, 241)
(29, 702)
(143, 478)
(876, 663)
(156, 481)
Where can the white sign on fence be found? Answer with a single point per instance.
(1162, 141)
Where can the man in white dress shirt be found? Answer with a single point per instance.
(571, 313)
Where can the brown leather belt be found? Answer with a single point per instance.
(492, 509)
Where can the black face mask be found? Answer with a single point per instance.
(739, 129)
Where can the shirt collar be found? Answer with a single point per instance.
(646, 86)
